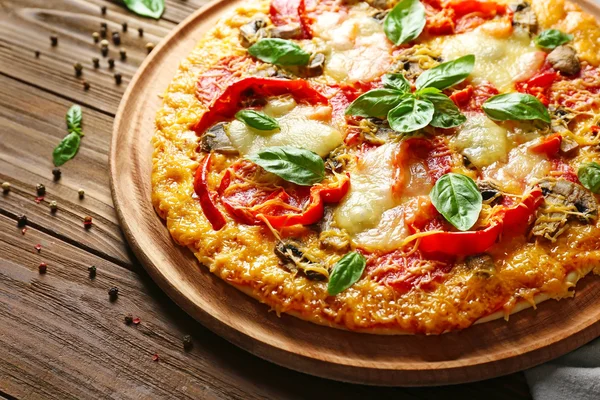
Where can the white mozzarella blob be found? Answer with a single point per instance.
(522, 169)
(298, 129)
(370, 193)
(389, 233)
(496, 60)
(481, 140)
(527, 65)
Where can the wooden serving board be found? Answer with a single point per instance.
(480, 352)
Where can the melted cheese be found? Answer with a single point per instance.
(498, 61)
(481, 140)
(389, 233)
(522, 169)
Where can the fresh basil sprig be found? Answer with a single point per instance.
(146, 8)
(299, 166)
(257, 120)
(346, 272)
(589, 176)
(69, 145)
(407, 111)
(405, 21)
(457, 198)
(279, 52)
(515, 107)
(552, 38)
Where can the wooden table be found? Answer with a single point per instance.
(60, 336)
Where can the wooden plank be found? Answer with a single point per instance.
(32, 125)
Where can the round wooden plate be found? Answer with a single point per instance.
(480, 352)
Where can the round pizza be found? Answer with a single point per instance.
(412, 166)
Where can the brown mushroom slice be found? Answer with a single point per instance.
(564, 59)
(315, 67)
(292, 257)
(524, 17)
(216, 139)
(252, 31)
(490, 192)
(289, 31)
(568, 145)
(564, 201)
(481, 264)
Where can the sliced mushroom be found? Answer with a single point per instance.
(381, 4)
(252, 31)
(293, 258)
(564, 59)
(481, 264)
(216, 139)
(524, 17)
(315, 67)
(564, 202)
(490, 192)
(568, 145)
(561, 117)
(271, 71)
(289, 31)
(379, 15)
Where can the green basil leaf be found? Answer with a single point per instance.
(396, 81)
(257, 120)
(375, 103)
(146, 8)
(447, 74)
(589, 176)
(457, 198)
(279, 52)
(66, 149)
(515, 107)
(346, 272)
(405, 22)
(552, 38)
(73, 118)
(299, 166)
(425, 91)
(410, 115)
(445, 114)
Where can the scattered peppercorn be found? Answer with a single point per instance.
(187, 342)
(103, 10)
(42, 268)
(38, 247)
(5, 187)
(53, 206)
(96, 37)
(96, 62)
(155, 357)
(104, 51)
(104, 43)
(141, 32)
(118, 78)
(116, 38)
(22, 221)
(40, 189)
(56, 173)
(54, 40)
(113, 293)
(86, 85)
(149, 47)
(136, 321)
(103, 32)
(81, 193)
(92, 271)
(124, 26)
(123, 54)
(111, 63)
(37, 54)
(104, 25)
(128, 320)
(87, 222)
(78, 69)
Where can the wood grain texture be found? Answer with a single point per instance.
(479, 352)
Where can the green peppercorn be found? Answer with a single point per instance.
(53, 206)
(92, 271)
(96, 37)
(113, 293)
(78, 69)
(56, 173)
(81, 193)
(5, 187)
(149, 47)
(40, 189)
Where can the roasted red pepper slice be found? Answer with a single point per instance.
(550, 145)
(517, 217)
(286, 12)
(485, 9)
(229, 102)
(543, 79)
(212, 213)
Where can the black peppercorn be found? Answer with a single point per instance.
(54, 40)
(104, 25)
(96, 62)
(111, 63)
(37, 54)
(141, 32)
(128, 320)
(103, 32)
(56, 173)
(118, 78)
(22, 221)
(104, 51)
(40, 189)
(103, 10)
(123, 54)
(116, 37)
(53, 206)
(42, 268)
(86, 85)
(113, 293)
(92, 271)
(124, 25)
(87, 222)
(187, 342)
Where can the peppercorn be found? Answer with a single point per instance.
(111, 63)
(141, 32)
(104, 51)
(22, 221)
(92, 271)
(103, 32)
(53, 206)
(118, 78)
(128, 320)
(37, 54)
(124, 26)
(149, 47)
(87, 222)
(86, 85)
(78, 69)
(116, 37)
(96, 62)
(103, 25)
(104, 43)
(56, 173)
(38, 247)
(187, 342)
(81, 193)
(113, 293)
(123, 54)
(40, 189)
(42, 268)
(5, 187)
(54, 40)
(96, 37)
(103, 10)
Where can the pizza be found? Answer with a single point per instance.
(388, 167)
